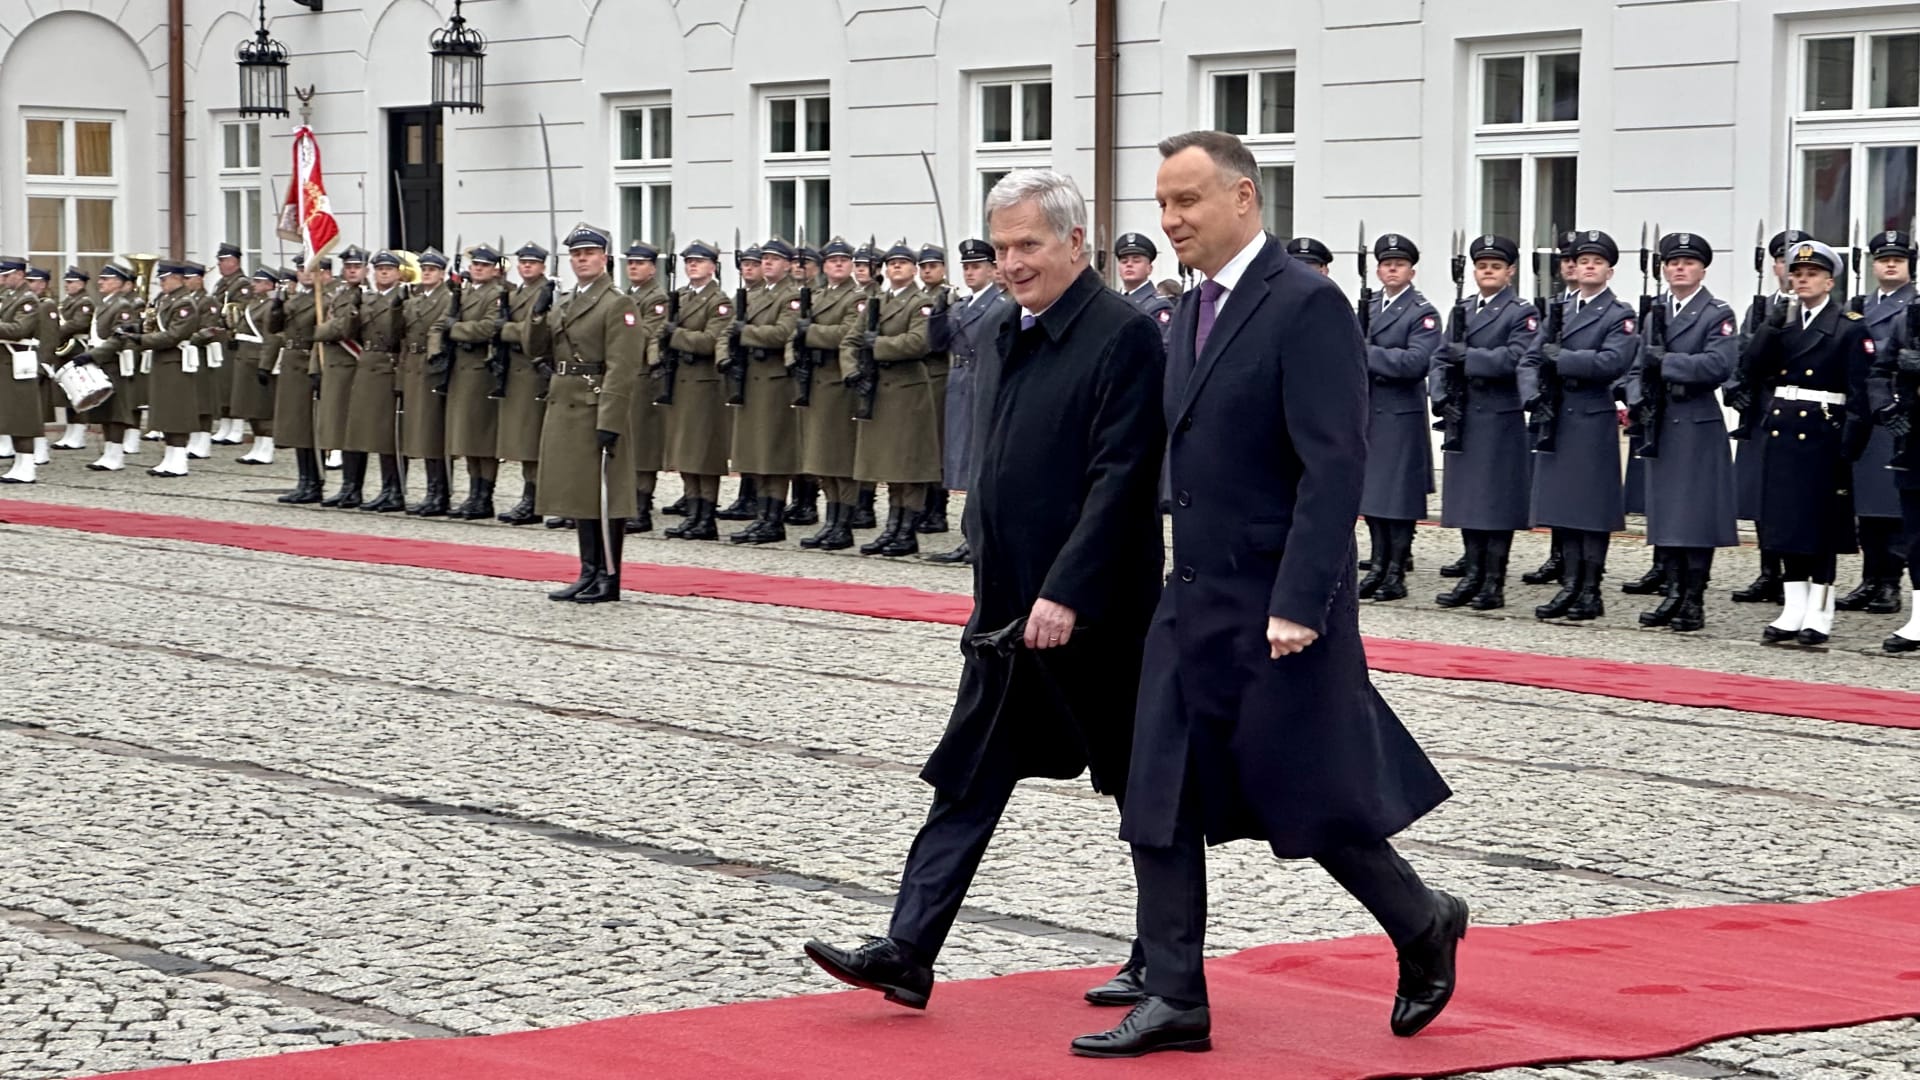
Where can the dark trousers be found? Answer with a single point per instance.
(1819, 569)
(1696, 561)
(1172, 905)
(1882, 547)
(1910, 517)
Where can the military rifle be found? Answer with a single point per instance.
(1650, 412)
(1365, 308)
(803, 357)
(440, 364)
(499, 353)
(734, 370)
(1757, 310)
(1552, 397)
(1906, 389)
(1452, 406)
(669, 367)
(866, 376)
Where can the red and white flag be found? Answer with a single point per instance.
(306, 217)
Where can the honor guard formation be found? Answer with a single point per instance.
(832, 371)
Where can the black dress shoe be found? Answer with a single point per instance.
(1127, 988)
(561, 523)
(1886, 597)
(1427, 968)
(1856, 600)
(1897, 644)
(1811, 638)
(1154, 1024)
(961, 554)
(881, 964)
(1647, 584)
(1765, 589)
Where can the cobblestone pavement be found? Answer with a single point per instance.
(255, 802)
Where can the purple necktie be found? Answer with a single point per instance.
(1210, 294)
(1027, 321)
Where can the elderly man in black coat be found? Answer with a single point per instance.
(1067, 547)
(1257, 719)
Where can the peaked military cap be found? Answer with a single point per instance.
(288, 274)
(484, 255)
(1307, 249)
(1777, 247)
(1891, 244)
(168, 269)
(977, 251)
(1686, 245)
(299, 262)
(531, 250)
(227, 251)
(1494, 247)
(1134, 243)
(931, 253)
(901, 250)
(1813, 253)
(74, 273)
(1395, 246)
(1565, 244)
(433, 257)
(355, 255)
(10, 263)
(35, 273)
(810, 255)
(700, 249)
(265, 273)
(866, 255)
(193, 269)
(837, 248)
(776, 248)
(384, 258)
(1594, 242)
(585, 236)
(640, 251)
(750, 253)
(116, 272)
(325, 262)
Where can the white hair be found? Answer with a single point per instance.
(1059, 198)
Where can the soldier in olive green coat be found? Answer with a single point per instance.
(593, 338)
(173, 361)
(473, 413)
(296, 382)
(28, 333)
(898, 447)
(646, 434)
(766, 431)
(371, 413)
(698, 431)
(524, 405)
(827, 434)
(423, 402)
(75, 315)
(255, 347)
(118, 304)
(338, 336)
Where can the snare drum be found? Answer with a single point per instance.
(86, 385)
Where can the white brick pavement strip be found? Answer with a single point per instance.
(608, 754)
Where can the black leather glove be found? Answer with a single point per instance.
(1907, 361)
(800, 328)
(1896, 419)
(735, 330)
(606, 438)
(1777, 314)
(1551, 351)
(869, 339)
(84, 357)
(264, 375)
(1656, 353)
(1535, 403)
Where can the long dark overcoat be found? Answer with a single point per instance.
(976, 323)
(1487, 483)
(1401, 341)
(1267, 451)
(1806, 484)
(1874, 491)
(1069, 431)
(1578, 484)
(1690, 484)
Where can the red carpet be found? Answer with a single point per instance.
(1662, 683)
(1633, 986)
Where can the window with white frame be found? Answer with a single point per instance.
(238, 183)
(73, 179)
(1856, 127)
(1526, 142)
(643, 167)
(1253, 97)
(1010, 127)
(796, 146)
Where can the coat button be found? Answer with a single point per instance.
(1186, 573)
(1803, 435)
(1803, 414)
(1776, 412)
(1184, 499)
(1776, 433)
(1809, 372)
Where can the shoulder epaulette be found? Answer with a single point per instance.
(1855, 315)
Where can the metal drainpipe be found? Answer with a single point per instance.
(177, 128)
(1104, 58)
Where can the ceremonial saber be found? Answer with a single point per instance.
(606, 525)
(399, 377)
(939, 210)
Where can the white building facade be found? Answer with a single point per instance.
(694, 118)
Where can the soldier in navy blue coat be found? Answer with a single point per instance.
(1814, 359)
(1257, 719)
(1764, 589)
(976, 322)
(1876, 502)
(1403, 333)
(1893, 389)
(1576, 485)
(1135, 254)
(1553, 571)
(1690, 347)
(1487, 493)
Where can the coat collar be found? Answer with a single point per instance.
(1242, 301)
(1492, 310)
(1058, 318)
(1578, 316)
(1822, 326)
(1384, 316)
(1897, 300)
(583, 301)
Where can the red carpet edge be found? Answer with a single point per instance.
(1659, 683)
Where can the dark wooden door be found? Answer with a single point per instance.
(415, 199)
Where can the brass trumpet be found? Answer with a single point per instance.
(143, 265)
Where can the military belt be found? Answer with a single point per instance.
(1481, 382)
(578, 367)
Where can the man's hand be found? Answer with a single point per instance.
(606, 439)
(1286, 638)
(1049, 625)
(1550, 351)
(1907, 361)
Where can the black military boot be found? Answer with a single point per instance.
(1556, 608)
(827, 526)
(589, 537)
(353, 476)
(522, 511)
(863, 510)
(307, 488)
(676, 508)
(1886, 597)
(1675, 582)
(439, 490)
(688, 521)
(1587, 604)
(1766, 589)
(1692, 613)
(606, 584)
(1657, 579)
(1376, 562)
(1399, 554)
(744, 508)
(642, 519)
(482, 500)
(464, 509)
(393, 487)
(1551, 571)
(751, 533)
(805, 508)
(935, 518)
(1456, 568)
(562, 523)
(1472, 576)
(704, 528)
(773, 511)
(905, 541)
(841, 538)
(1494, 551)
(896, 520)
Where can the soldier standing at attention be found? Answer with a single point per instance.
(1876, 500)
(592, 336)
(1690, 478)
(1403, 333)
(173, 394)
(746, 505)
(827, 427)
(1135, 254)
(423, 417)
(296, 385)
(1312, 252)
(1749, 460)
(1486, 481)
(647, 426)
(933, 282)
(75, 315)
(231, 289)
(255, 348)
(697, 427)
(805, 507)
(210, 341)
(523, 407)
(976, 327)
(766, 433)
(117, 415)
(338, 335)
(1577, 486)
(27, 329)
(370, 416)
(898, 447)
(473, 414)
